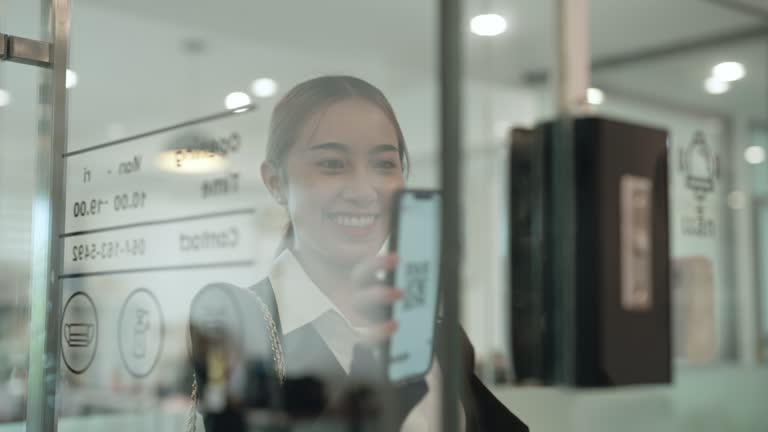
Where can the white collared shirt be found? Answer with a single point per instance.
(300, 302)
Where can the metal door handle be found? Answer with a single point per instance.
(26, 51)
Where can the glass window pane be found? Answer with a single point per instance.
(19, 139)
(172, 214)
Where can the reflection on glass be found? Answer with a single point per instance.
(20, 134)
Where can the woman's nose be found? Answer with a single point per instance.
(360, 190)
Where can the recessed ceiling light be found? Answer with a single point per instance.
(236, 100)
(71, 79)
(5, 98)
(488, 25)
(595, 96)
(191, 161)
(729, 71)
(754, 155)
(716, 86)
(264, 87)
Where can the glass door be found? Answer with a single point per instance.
(33, 46)
(164, 240)
(174, 239)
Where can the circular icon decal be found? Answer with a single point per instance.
(140, 332)
(79, 332)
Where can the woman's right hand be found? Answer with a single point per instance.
(372, 298)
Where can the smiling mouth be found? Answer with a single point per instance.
(353, 220)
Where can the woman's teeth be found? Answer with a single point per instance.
(354, 221)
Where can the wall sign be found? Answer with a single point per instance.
(700, 169)
(149, 221)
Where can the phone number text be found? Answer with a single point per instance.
(108, 250)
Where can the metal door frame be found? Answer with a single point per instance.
(47, 217)
(45, 296)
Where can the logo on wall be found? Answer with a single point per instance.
(700, 167)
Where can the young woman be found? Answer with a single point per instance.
(335, 157)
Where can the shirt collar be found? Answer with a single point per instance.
(299, 300)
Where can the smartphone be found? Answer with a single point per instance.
(416, 238)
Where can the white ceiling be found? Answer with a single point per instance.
(393, 35)
(135, 74)
(678, 78)
(392, 41)
(398, 31)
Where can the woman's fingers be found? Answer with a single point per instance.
(371, 270)
(372, 304)
(378, 333)
(371, 298)
(376, 295)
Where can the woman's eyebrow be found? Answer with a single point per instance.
(331, 146)
(383, 148)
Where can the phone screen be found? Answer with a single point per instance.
(417, 243)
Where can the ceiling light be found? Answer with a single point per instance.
(729, 71)
(237, 100)
(5, 98)
(488, 25)
(264, 87)
(595, 96)
(716, 86)
(191, 162)
(754, 155)
(71, 79)
(196, 152)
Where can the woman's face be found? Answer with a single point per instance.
(340, 178)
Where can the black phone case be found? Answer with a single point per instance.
(393, 247)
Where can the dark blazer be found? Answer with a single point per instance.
(309, 397)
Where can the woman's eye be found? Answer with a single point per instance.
(384, 164)
(333, 164)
